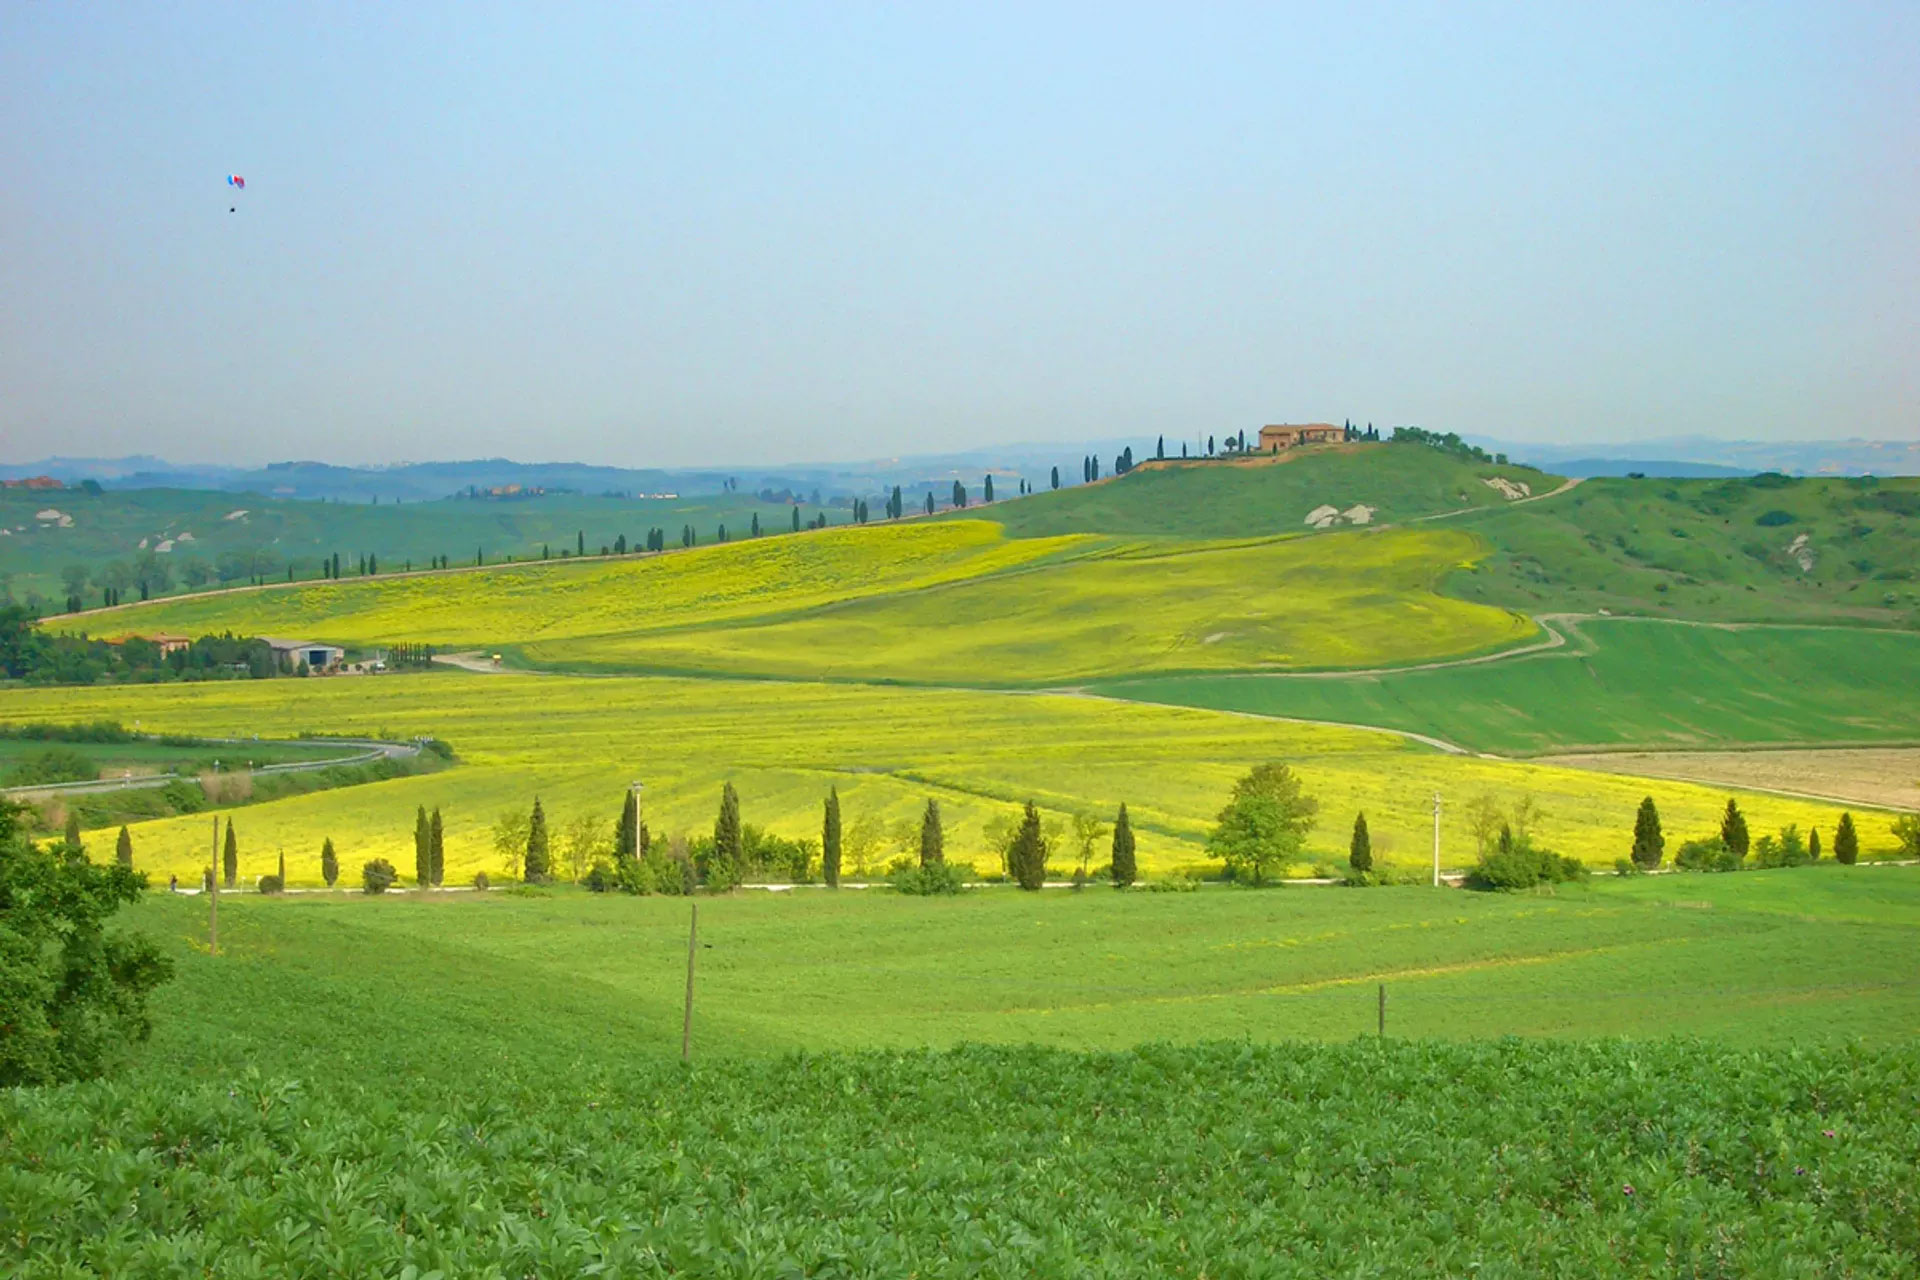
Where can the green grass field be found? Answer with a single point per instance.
(576, 742)
(1617, 683)
(1220, 499)
(1712, 550)
(484, 1085)
(112, 526)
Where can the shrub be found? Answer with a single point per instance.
(1514, 863)
(55, 764)
(1626, 867)
(1175, 884)
(1709, 853)
(601, 879)
(1774, 518)
(272, 884)
(378, 876)
(480, 881)
(930, 879)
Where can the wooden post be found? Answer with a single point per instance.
(1436, 839)
(213, 894)
(1383, 1010)
(686, 1021)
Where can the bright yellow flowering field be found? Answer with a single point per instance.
(578, 741)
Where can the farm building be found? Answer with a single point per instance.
(318, 657)
(1289, 436)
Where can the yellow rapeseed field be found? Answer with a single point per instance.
(576, 742)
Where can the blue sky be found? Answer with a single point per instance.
(761, 234)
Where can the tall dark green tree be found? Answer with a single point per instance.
(1027, 855)
(1733, 829)
(959, 494)
(282, 870)
(422, 848)
(756, 524)
(1846, 841)
(933, 838)
(1813, 844)
(1649, 846)
(230, 858)
(989, 490)
(796, 519)
(929, 502)
(1055, 478)
(436, 848)
(830, 840)
(726, 869)
(1360, 847)
(539, 862)
(580, 542)
(626, 838)
(123, 849)
(329, 862)
(1125, 868)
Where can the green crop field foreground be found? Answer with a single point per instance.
(485, 1086)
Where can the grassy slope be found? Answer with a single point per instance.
(577, 742)
(1346, 600)
(1620, 682)
(1697, 549)
(110, 526)
(487, 1089)
(1234, 500)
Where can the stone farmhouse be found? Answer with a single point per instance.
(1291, 436)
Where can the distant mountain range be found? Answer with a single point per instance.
(415, 481)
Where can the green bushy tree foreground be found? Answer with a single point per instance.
(73, 992)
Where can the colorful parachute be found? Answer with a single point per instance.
(235, 180)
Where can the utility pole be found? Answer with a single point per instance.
(213, 893)
(1436, 839)
(686, 1021)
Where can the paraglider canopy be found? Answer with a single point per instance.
(235, 180)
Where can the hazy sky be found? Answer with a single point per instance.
(700, 233)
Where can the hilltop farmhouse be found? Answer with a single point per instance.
(1289, 436)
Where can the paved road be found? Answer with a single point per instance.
(363, 750)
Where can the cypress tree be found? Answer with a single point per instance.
(422, 848)
(538, 863)
(756, 524)
(626, 842)
(283, 869)
(1648, 843)
(580, 542)
(230, 858)
(724, 871)
(373, 564)
(1055, 478)
(1733, 829)
(123, 849)
(830, 840)
(1846, 841)
(933, 840)
(1360, 848)
(989, 489)
(929, 502)
(436, 849)
(1027, 856)
(329, 862)
(959, 494)
(1813, 844)
(72, 833)
(1160, 448)
(1125, 869)
(796, 519)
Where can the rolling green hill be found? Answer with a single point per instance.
(1766, 549)
(1620, 682)
(1264, 495)
(233, 536)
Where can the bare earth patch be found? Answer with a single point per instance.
(1884, 776)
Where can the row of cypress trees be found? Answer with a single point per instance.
(429, 846)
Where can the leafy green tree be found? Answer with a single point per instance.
(422, 848)
(329, 863)
(933, 843)
(1648, 844)
(1360, 848)
(230, 858)
(830, 840)
(123, 849)
(1027, 855)
(73, 993)
(1733, 830)
(538, 861)
(1906, 829)
(377, 876)
(510, 832)
(1265, 823)
(1846, 841)
(72, 834)
(1124, 869)
(436, 848)
(726, 868)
